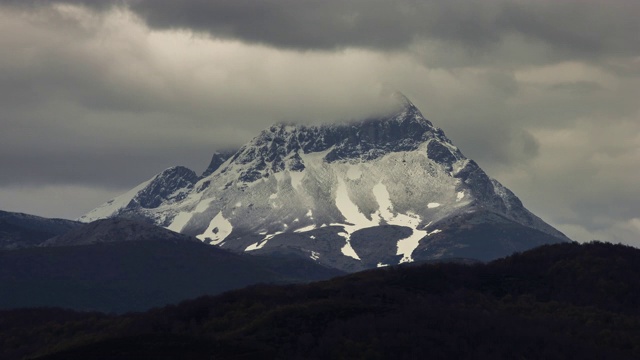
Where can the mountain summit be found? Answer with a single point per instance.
(376, 192)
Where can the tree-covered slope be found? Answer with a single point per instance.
(564, 301)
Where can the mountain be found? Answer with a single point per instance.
(18, 230)
(119, 265)
(352, 196)
(563, 301)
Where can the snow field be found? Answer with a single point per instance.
(219, 228)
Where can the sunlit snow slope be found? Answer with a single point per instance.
(351, 196)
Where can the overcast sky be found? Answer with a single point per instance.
(98, 96)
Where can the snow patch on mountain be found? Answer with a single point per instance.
(260, 244)
(350, 210)
(347, 249)
(179, 221)
(296, 179)
(305, 229)
(218, 230)
(407, 245)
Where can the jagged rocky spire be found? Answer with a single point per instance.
(218, 158)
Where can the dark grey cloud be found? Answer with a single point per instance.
(571, 29)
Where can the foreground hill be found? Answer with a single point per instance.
(565, 301)
(119, 265)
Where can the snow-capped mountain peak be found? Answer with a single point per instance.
(322, 191)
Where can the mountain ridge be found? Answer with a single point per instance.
(20, 230)
(116, 230)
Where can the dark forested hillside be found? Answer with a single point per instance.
(565, 301)
(137, 275)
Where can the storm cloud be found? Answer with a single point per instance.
(572, 29)
(98, 96)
